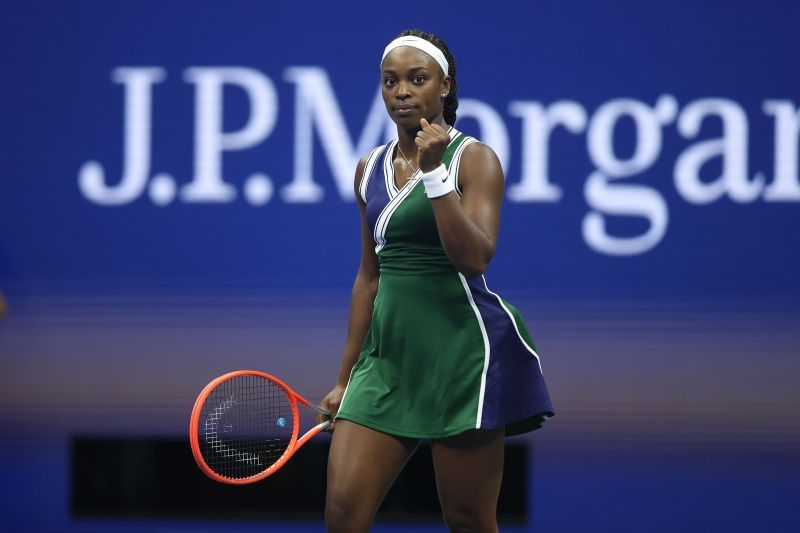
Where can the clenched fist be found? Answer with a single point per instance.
(432, 141)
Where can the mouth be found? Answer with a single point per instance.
(404, 109)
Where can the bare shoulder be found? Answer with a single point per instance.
(479, 164)
(478, 153)
(360, 168)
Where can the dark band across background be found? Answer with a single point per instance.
(153, 478)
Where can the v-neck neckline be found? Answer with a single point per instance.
(392, 175)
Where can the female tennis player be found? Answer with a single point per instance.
(431, 351)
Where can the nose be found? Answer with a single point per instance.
(401, 90)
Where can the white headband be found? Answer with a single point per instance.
(420, 44)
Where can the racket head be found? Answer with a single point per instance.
(244, 427)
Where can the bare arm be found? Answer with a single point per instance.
(362, 299)
(468, 227)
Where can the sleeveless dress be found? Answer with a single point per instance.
(443, 354)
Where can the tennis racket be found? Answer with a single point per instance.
(245, 426)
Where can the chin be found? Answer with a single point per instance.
(407, 123)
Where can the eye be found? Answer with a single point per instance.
(390, 82)
(419, 80)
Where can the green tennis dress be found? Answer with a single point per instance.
(443, 354)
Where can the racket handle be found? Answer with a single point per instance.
(318, 409)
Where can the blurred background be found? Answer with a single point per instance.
(176, 202)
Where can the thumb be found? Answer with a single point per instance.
(424, 123)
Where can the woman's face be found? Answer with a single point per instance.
(412, 86)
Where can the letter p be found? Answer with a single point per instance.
(208, 184)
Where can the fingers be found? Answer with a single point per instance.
(433, 134)
(431, 141)
(333, 408)
(322, 418)
(427, 127)
(331, 403)
(423, 139)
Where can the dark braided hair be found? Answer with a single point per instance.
(451, 100)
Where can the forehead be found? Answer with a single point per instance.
(407, 57)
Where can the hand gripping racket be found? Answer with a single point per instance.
(244, 426)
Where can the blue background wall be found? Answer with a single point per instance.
(649, 234)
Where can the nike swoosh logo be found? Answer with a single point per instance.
(445, 178)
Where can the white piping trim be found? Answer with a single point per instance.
(456, 161)
(388, 171)
(486, 348)
(344, 394)
(514, 323)
(371, 159)
(386, 214)
(452, 160)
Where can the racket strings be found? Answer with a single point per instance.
(245, 426)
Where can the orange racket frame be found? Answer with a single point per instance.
(294, 444)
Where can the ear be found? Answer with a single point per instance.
(447, 83)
